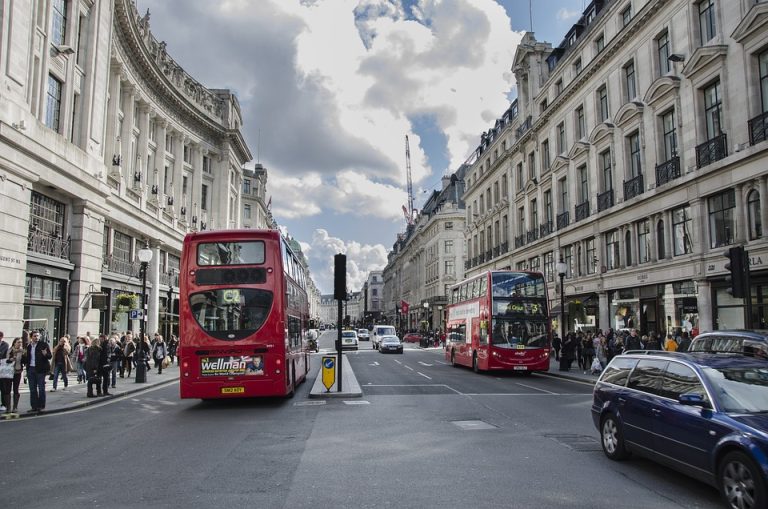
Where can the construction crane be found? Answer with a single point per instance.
(409, 216)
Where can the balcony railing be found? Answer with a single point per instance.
(532, 235)
(633, 187)
(758, 128)
(467, 265)
(481, 258)
(545, 229)
(563, 220)
(119, 266)
(582, 211)
(496, 251)
(474, 261)
(711, 151)
(168, 279)
(605, 200)
(668, 171)
(520, 241)
(504, 247)
(51, 245)
(521, 130)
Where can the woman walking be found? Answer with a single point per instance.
(159, 351)
(80, 350)
(15, 354)
(61, 362)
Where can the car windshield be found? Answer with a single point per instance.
(381, 331)
(362, 331)
(390, 339)
(740, 390)
(350, 334)
(511, 333)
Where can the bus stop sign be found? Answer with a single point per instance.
(329, 372)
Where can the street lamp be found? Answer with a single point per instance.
(562, 268)
(145, 256)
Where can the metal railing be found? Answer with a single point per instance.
(605, 200)
(119, 266)
(545, 228)
(563, 220)
(711, 151)
(504, 247)
(582, 211)
(532, 235)
(633, 187)
(44, 243)
(668, 171)
(496, 251)
(521, 130)
(758, 128)
(520, 241)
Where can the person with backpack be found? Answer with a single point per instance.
(159, 352)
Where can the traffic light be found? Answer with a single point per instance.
(736, 268)
(340, 277)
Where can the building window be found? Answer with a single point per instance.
(763, 61)
(713, 110)
(168, 143)
(184, 185)
(626, 16)
(682, 226)
(607, 170)
(549, 266)
(707, 29)
(561, 138)
(559, 87)
(581, 127)
(602, 101)
(661, 252)
(635, 167)
(482, 204)
(612, 250)
(449, 268)
(630, 84)
(504, 186)
(577, 66)
(521, 220)
(246, 186)
(495, 193)
(721, 220)
(504, 228)
(448, 247)
(534, 264)
(583, 176)
(670, 135)
(753, 215)
(544, 149)
(519, 177)
(643, 241)
(662, 50)
(591, 261)
(204, 197)
(449, 225)
(53, 104)
(247, 211)
(532, 166)
(46, 215)
(600, 43)
(206, 164)
(567, 255)
(59, 22)
(628, 248)
(548, 213)
(121, 246)
(563, 194)
(534, 214)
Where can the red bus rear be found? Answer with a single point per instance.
(243, 311)
(499, 320)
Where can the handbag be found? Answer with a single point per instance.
(7, 369)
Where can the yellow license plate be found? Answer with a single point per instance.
(232, 390)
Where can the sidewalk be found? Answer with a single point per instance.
(575, 373)
(74, 396)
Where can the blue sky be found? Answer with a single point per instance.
(333, 86)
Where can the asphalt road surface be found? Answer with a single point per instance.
(424, 434)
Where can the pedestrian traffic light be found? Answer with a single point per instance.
(736, 267)
(340, 277)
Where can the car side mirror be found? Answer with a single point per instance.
(692, 400)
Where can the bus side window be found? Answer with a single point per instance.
(463, 295)
(483, 286)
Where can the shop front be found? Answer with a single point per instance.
(45, 302)
(667, 308)
(731, 313)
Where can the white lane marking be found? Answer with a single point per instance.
(421, 385)
(441, 362)
(357, 402)
(425, 376)
(408, 367)
(374, 363)
(397, 361)
(522, 394)
(425, 364)
(536, 389)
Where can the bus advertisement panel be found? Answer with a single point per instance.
(243, 313)
(499, 320)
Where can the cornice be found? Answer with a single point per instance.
(753, 23)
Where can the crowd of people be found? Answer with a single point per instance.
(97, 361)
(594, 350)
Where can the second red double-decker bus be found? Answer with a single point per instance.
(499, 320)
(243, 311)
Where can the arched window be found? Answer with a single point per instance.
(660, 239)
(628, 248)
(753, 213)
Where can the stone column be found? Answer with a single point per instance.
(174, 181)
(704, 304)
(654, 244)
(86, 237)
(111, 143)
(699, 218)
(15, 196)
(604, 310)
(126, 135)
(142, 152)
(196, 186)
(153, 279)
(740, 216)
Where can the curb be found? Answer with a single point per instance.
(87, 403)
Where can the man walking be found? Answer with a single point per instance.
(38, 361)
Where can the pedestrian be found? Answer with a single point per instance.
(587, 352)
(61, 362)
(601, 352)
(128, 351)
(105, 366)
(685, 342)
(80, 350)
(670, 345)
(6, 378)
(159, 351)
(92, 365)
(632, 341)
(16, 354)
(173, 345)
(569, 351)
(653, 342)
(557, 344)
(115, 358)
(37, 358)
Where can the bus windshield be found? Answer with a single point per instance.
(230, 253)
(516, 333)
(231, 313)
(517, 284)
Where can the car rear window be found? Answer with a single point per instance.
(617, 371)
(646, 376)
(679, 379)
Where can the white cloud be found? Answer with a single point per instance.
(564, 14)
(361, 258)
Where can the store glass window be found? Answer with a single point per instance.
(682, 226)
(643, 241)
(591, 260)
(624, 308)
(680, 305)
(612, 249)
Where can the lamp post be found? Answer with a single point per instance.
(562, 268)
(145, 256)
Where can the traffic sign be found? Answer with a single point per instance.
(329, 372)
(135, 314)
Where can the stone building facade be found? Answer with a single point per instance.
(106, 145)
(636, 154)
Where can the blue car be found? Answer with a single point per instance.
(705, 415)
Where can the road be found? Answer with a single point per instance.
(424, 434)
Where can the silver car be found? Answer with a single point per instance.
(390, 344)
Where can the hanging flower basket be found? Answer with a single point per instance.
(126, 301)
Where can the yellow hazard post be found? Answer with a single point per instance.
(329, 372)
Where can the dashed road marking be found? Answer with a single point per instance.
(425, 376)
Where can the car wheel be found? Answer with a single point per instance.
(474, 363)
(612, 438)
(741, 482)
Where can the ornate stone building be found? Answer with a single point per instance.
(635, 153)
(106, 144)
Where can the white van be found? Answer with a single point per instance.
(379, 331)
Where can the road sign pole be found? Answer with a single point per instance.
(338, 347)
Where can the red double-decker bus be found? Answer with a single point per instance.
(243, 312)
(499, 320)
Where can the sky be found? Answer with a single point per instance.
(330, 88)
